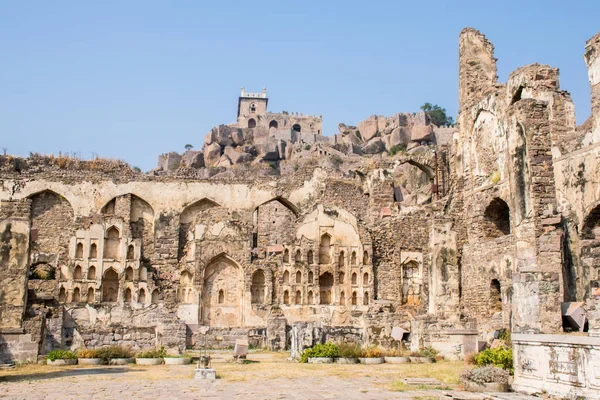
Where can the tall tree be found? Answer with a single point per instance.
(437, 115)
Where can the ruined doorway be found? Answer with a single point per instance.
(110, 286)
(225, 276)
(325, 287)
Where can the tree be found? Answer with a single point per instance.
(188, 147)
(437, 115)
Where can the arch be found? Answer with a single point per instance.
(251, 123)
(353, 258)
(286, 297)
(155, 297)
(273, 124)
(497, 218)
(90, 295)
(189, 217)
(311, 298)
(127, 296)
(109, 208)
(366, 279)
(325, 287)
(366, 260)
(310, 277)
(143, 274)
(76, 295)
(354, 278)
(342, 298)
(341, 278)
(222, 272)
(366, 299)
(110, 286)
(272, 222)
(62, 295)
(310, 258)
(324, 249)
(298, 298)
(354, 298)
(186, 281)
(77, 272)
(130, 252)
(186, 278)
(258, 287)
(286, 256)
(591, 224)
(91, 275)
(129, 274)
(221, 296)
(284, 202)
(411, 283)
(79, 250)
(52, 216)
(297, 128)
(298, 257)
(112, 243)
(286, 277)
(495, 296)
(342, 259)
(93, 251)
(142, 296)
(298, 277)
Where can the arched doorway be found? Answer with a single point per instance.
(251, 123)
(110, 286)
(224, 274)
(273, 124)
(297, 128)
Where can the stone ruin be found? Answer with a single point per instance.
(279, 235)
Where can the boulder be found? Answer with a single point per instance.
(386, 141)
(212, 153)
(422, 133)
(223, 135)
(209, 138)
(237, 136)
(237, 156)
(374, 146)
(368, 128)
(224, 161)
(400, 136)
(345, 129)
(352, 138)
(193, 159)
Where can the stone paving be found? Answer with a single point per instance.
(175, 382)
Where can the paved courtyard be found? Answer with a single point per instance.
(273, 377)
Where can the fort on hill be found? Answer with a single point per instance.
(276, 233)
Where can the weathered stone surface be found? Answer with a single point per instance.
(422, 133)
(374, 146)
(268, 151)
(193, 159)
(212, 154)
(369, 128)
(399, 136)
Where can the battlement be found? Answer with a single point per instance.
(249, 95)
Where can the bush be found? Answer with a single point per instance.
(320, 350)
(399, 148)
(428, 352)
(488, 374)
(88, 353)
(115, 352)
(372, 352)
(153, 353)
(60, 355)
(501, 357)
(307, 147)
(349, 350)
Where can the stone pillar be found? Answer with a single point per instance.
(477, 66)
(593, 315)
(592, 60)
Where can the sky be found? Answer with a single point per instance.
(134, 79)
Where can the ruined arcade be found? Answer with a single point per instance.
(285, 236)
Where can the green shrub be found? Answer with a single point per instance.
(428, 352)
(349, 350)
(501, 357)
(307, 147)
(399, 148)
(488, 374)
(161, 353)
(320, 350)
(114, 352)
(60, 355)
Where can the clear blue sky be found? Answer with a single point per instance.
(133, 79)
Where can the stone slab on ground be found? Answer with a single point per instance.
(423, 381)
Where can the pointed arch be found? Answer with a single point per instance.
(342, 298)
(342, 259)
(325, 287)
(272, 221)
(497, 218)
(127, 296)
(93, 251)
(310, 277)
(112, 243)
(286, 277)
(90, 295)
(142, 296)
(76, 295)
(188, 219)
(79, 250)
(223, 273)
(286, 256)
(298, 277)
(52, 217)
(353, 258)
(298, 257)
(258, 287)
(354, 278)
(310, 258)
(91, 275)
(77, 273)
(110, 286)
(62, 295)
(311, 299)
(155, 296)
(325, 249)
(129, 274)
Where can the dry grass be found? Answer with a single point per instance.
(274, 366)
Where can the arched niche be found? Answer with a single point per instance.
(274, 222)
(326, 288)
(52, 217)
(189, 218)
(110, 286)
(258, 287)
(496, 219)
(112, 243)
(222, 273)
(325, 249)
